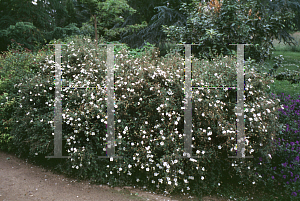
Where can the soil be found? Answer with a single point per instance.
(22, 181)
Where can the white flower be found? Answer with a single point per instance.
(191, 177)
(202, 177)
(193, 160)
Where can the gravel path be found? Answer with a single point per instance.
(22, 181)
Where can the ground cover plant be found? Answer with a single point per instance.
(83, 122)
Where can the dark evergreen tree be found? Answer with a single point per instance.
(36, 23)
(156, 13)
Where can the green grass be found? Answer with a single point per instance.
(280, 46)
(291, 63)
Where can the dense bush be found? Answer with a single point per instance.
(282, 173)
(15, 65)
(148, 119)
(215, 25)
(25, 33)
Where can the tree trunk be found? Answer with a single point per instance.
(95, 26)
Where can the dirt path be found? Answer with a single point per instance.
(22, 181)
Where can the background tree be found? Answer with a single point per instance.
(215, 24)
(36, 23)
(108, 13)
(156, 13)
(292, 6)
(170, 13)
(21, 11)
(134, 22)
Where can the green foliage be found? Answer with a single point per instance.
(16, 65)
(108, 14)
(87, 30)
(36, 24)
(149, 128)
(286, 78)
(288, 47)
(231, 22)
(69, 30)
(155, 14)
(25, 33)
(5, 110)
(284, 86)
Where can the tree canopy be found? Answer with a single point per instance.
(134, 22)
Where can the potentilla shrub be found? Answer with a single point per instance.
(149, 123)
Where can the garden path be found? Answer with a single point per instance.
(22, 181)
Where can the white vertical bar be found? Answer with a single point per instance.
(57, 106)
(188, 103)
(240, 103)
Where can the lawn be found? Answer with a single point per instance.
(291, 62)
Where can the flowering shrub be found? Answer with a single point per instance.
(149, 124)
(282, 173)
(15, 64)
